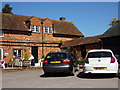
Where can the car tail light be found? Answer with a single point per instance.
(45, 61)
(66, 61)
(87, 61)
(112, 60)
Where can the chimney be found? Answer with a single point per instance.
(62, 18)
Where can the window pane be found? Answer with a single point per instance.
(37, 28)
(50, 30)
(99, 54)
(46, 29)
(32, 28)
(56, 56)
(17, 52)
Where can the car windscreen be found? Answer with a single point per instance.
(56, 56)
(99, 54)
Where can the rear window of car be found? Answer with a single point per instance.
(56, 56)
(99, 54)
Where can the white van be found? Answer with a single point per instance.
(100, 61)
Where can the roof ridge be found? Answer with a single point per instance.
(85, 37)
(94, 36)
(17, 15)
(60, 21)
(36, 17)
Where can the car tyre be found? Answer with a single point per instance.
(118, 75)
(46, 73)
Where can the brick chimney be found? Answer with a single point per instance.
(62, 18)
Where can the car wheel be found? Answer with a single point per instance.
(46, 73)
(118, 74)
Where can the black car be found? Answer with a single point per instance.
(60, 62)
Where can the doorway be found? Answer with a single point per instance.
(83, 51)
(35, 53)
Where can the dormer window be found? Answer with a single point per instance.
(48, 30)
(35, 28)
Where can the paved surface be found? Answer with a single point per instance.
(36, 79)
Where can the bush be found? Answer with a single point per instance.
(80, 61)
(11, 59)
(26, 56)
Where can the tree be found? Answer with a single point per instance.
(114, 20)
(7, 9)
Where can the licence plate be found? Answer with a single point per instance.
(99, 68)
(55, 61)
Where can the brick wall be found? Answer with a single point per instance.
(26, 46)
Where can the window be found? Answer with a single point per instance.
(48, 30)
(17, 52)
(1, 54)
(51, 56)
(1, 34)
(35, 28)
(99, 54)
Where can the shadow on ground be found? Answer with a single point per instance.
(96, 76)
(54, 75)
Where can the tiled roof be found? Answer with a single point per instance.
(113, 31)
(18, 22)
(81, 41)
(14, 22)
(62, 27)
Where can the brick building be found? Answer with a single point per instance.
(34, 35)
(81, 46)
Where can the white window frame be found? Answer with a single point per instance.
(49, 30)
(16, 50)
(35, 28)
(1, 54)
(1, 34)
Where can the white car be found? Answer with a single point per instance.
(100, 61)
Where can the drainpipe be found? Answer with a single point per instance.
(42, 38)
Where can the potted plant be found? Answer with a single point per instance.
(26, 61)
(42, 57)
(41, 60)
(80, 61)
(10, 63)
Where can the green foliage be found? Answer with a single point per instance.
(26, 56)
(7, 9)
(11, 59)
(61, 41)
(114, 20)
(80, 61)
(43, 57)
